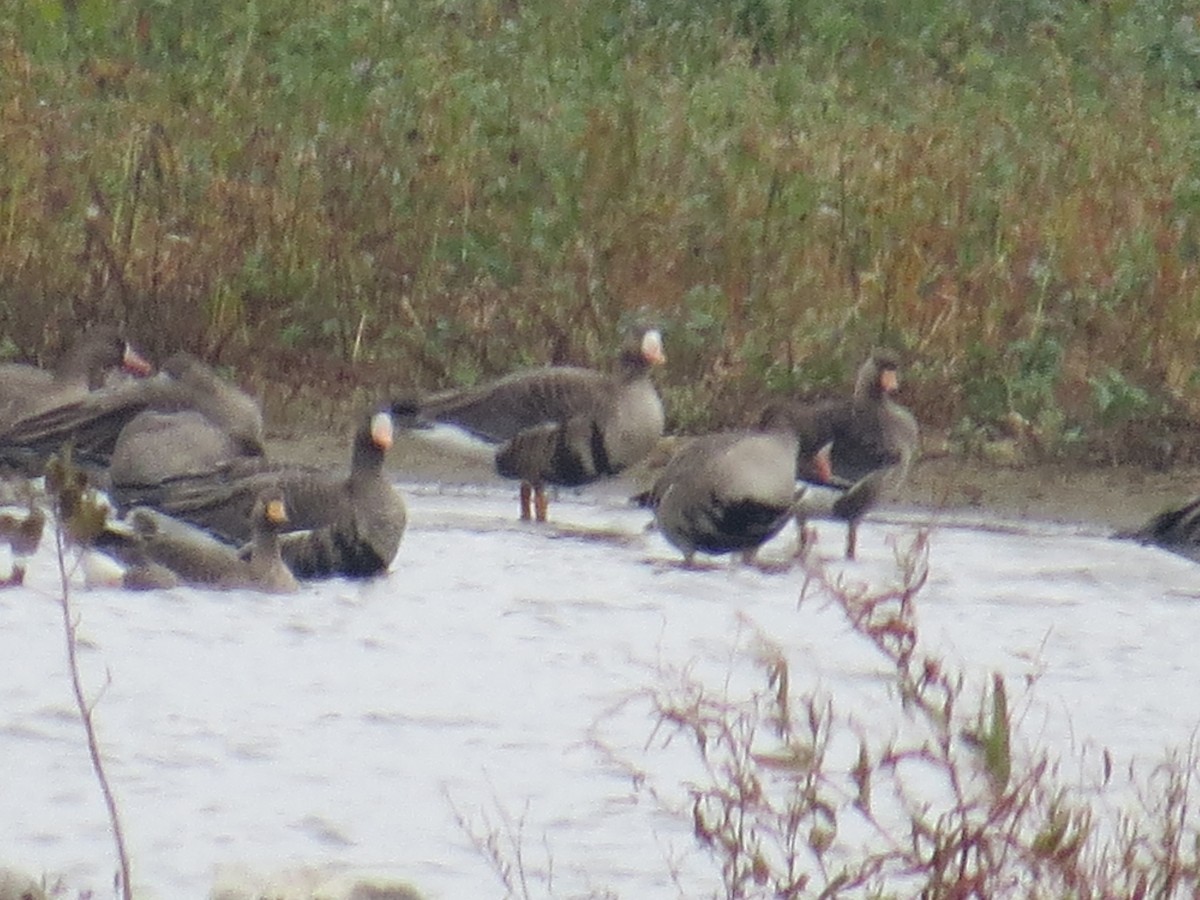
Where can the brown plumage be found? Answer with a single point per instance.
(23, 532)
(26, 390)
(352, 522)
(197, 558)
(724, 493)
(156, 446)
(869, 439)
(363, 535)
(558, 425)
(93, 424)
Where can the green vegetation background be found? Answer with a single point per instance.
(335, 197)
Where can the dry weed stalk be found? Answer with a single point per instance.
(75, 509)
(502, 843)
(947, 809)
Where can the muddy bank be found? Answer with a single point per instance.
(1116, 497)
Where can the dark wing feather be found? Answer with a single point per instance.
(89, 425)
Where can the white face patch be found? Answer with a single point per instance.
(381, 430)
(652, 348)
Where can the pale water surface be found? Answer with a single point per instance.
(359, 725)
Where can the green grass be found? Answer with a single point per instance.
(440, 192)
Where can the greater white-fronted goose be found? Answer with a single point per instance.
(558, 425)
(197, 558)
(362, 536)
(870, 439)
(350, 524)
(725, 493)
(25, 389)
(92, 425)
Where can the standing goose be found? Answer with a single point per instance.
(26, 390)
(725, 493)
(197, 558)
(559, 425)
(351, 524)
(870, 438)
(93, 424)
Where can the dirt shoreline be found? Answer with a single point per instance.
(1102, 497)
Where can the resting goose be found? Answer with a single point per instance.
(197, 558)
(870, 438)
(725, 493)
(558, 425)
(93, 424)
(352, 523)
(363, 536)
(25, 390)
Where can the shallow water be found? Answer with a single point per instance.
(376, 726)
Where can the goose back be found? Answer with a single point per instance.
(157, 446)
(1176, 529)
(93, 424)
(498, 411)
(726, 492)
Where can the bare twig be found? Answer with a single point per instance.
(70, 629)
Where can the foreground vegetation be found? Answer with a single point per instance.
(931, 785)
(333, 196)
(954, 805)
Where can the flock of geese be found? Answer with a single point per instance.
(197, 500)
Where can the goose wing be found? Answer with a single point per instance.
(500, 410)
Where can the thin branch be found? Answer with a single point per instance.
(85, 712)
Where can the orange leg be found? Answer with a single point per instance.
(526, 496)
(540, 503)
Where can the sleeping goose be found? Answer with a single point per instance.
(352, 523)
(728, 492)
(558, 425)
(870, 439)
(93, 424)
(25, 389)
